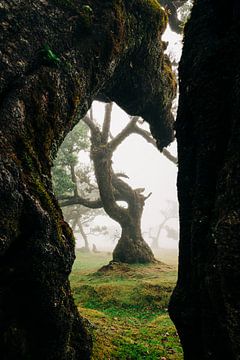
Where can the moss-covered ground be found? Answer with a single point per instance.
(127, 308)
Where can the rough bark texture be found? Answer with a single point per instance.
(131, 247)
(56, 57)
(205, 305)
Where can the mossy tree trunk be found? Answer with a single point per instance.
(131, 247)
(55, 58)
(205, 304)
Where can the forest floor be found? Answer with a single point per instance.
(127, 308)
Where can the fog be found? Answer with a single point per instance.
(146, 168)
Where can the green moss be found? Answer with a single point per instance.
(32, 176)
(152, 7)
(153, 14)
(47, 203)
(127, 308)
(155, 5)
(171, 80)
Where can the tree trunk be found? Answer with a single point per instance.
(84, 235)
(131, 247)
(205, 304)
(76, 221)
(55, 58)
(155, 242)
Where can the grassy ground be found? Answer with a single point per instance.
(127, 307)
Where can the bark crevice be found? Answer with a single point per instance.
(55, 59)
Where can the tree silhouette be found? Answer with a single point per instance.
(170, 212)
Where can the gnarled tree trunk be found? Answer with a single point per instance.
(56, 57)
(205, 304)
(131, 247)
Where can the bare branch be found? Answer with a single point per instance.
(139, 190)
(170, 157)
(131, 128)
(122, 175)
(91, 124)
(92, 204)
(78, 200)
(148, 196)
(145, 134)
(115, 142)
(148, 137)
(107, 122)
(63, 197)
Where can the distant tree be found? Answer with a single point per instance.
(131, 247)
(80, 218)
(68, 173)
(171, 212)
(110, 187)
(171, 233)
(64, 170)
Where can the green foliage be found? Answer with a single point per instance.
(128, 350)
(75, 141)
(67, 156)
(127, 307)
(62, 182)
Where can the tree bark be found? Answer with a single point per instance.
(131, 247)
(55, 58)
(84, 235)
(205, 304)
(155, 239)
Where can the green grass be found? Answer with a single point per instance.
(127, 307)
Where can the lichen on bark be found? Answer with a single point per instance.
(55, 59)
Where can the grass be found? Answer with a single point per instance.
(127, 307)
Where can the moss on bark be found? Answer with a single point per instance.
(55, 59)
